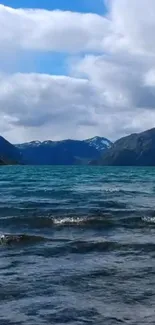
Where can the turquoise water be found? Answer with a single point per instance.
(77, 245)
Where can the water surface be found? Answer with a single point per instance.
(77, 245)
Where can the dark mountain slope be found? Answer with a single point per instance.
(9, 154)
(134, 150)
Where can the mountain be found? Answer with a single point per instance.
(137, 149)
(9, 154)
(65, 152)
(99, 143)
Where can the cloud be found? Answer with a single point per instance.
(42, 106)
(110, 91)
(124, 82)
(43, 30)
(133, 24)
(59, 104)
(128, 26)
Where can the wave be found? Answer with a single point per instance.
(61, 247)
(105, 246)
(90, 247)
(68, 221)
(43, 222)
(149, 219)
(93, 218)
(126, 218)
(8, 239)
(104, 221)
(125, 191)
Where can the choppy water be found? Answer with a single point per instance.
(77, 245)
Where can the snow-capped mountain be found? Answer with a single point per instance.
(29, 144)
(99, 143)
(65, 152)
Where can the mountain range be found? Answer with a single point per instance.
(65, 152)
(137, 149)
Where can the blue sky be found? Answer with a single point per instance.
(50, 62)
(95, 6)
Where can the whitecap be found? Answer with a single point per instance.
(149, 219)
(68, 221)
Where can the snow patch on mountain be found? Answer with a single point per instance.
(99, 143)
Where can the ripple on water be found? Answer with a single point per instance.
(77, 245)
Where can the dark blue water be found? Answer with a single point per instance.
(77, 245)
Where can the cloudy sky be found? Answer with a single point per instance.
(76, 68)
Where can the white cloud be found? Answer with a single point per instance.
(23, 29)
(128, 26)
(123, 84)
(133, 23)
(110, 94)
(37, 106)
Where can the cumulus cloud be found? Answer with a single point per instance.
(122, 84)
(129, 26)
(43, 30)
(60, 104)
(110, 93)
(42, 106)
(133, 23)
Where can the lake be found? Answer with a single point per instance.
(77, 245)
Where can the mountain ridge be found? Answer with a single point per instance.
(63, 152)
(95, 140)
(137, 149)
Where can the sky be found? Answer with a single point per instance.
(76, 68)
